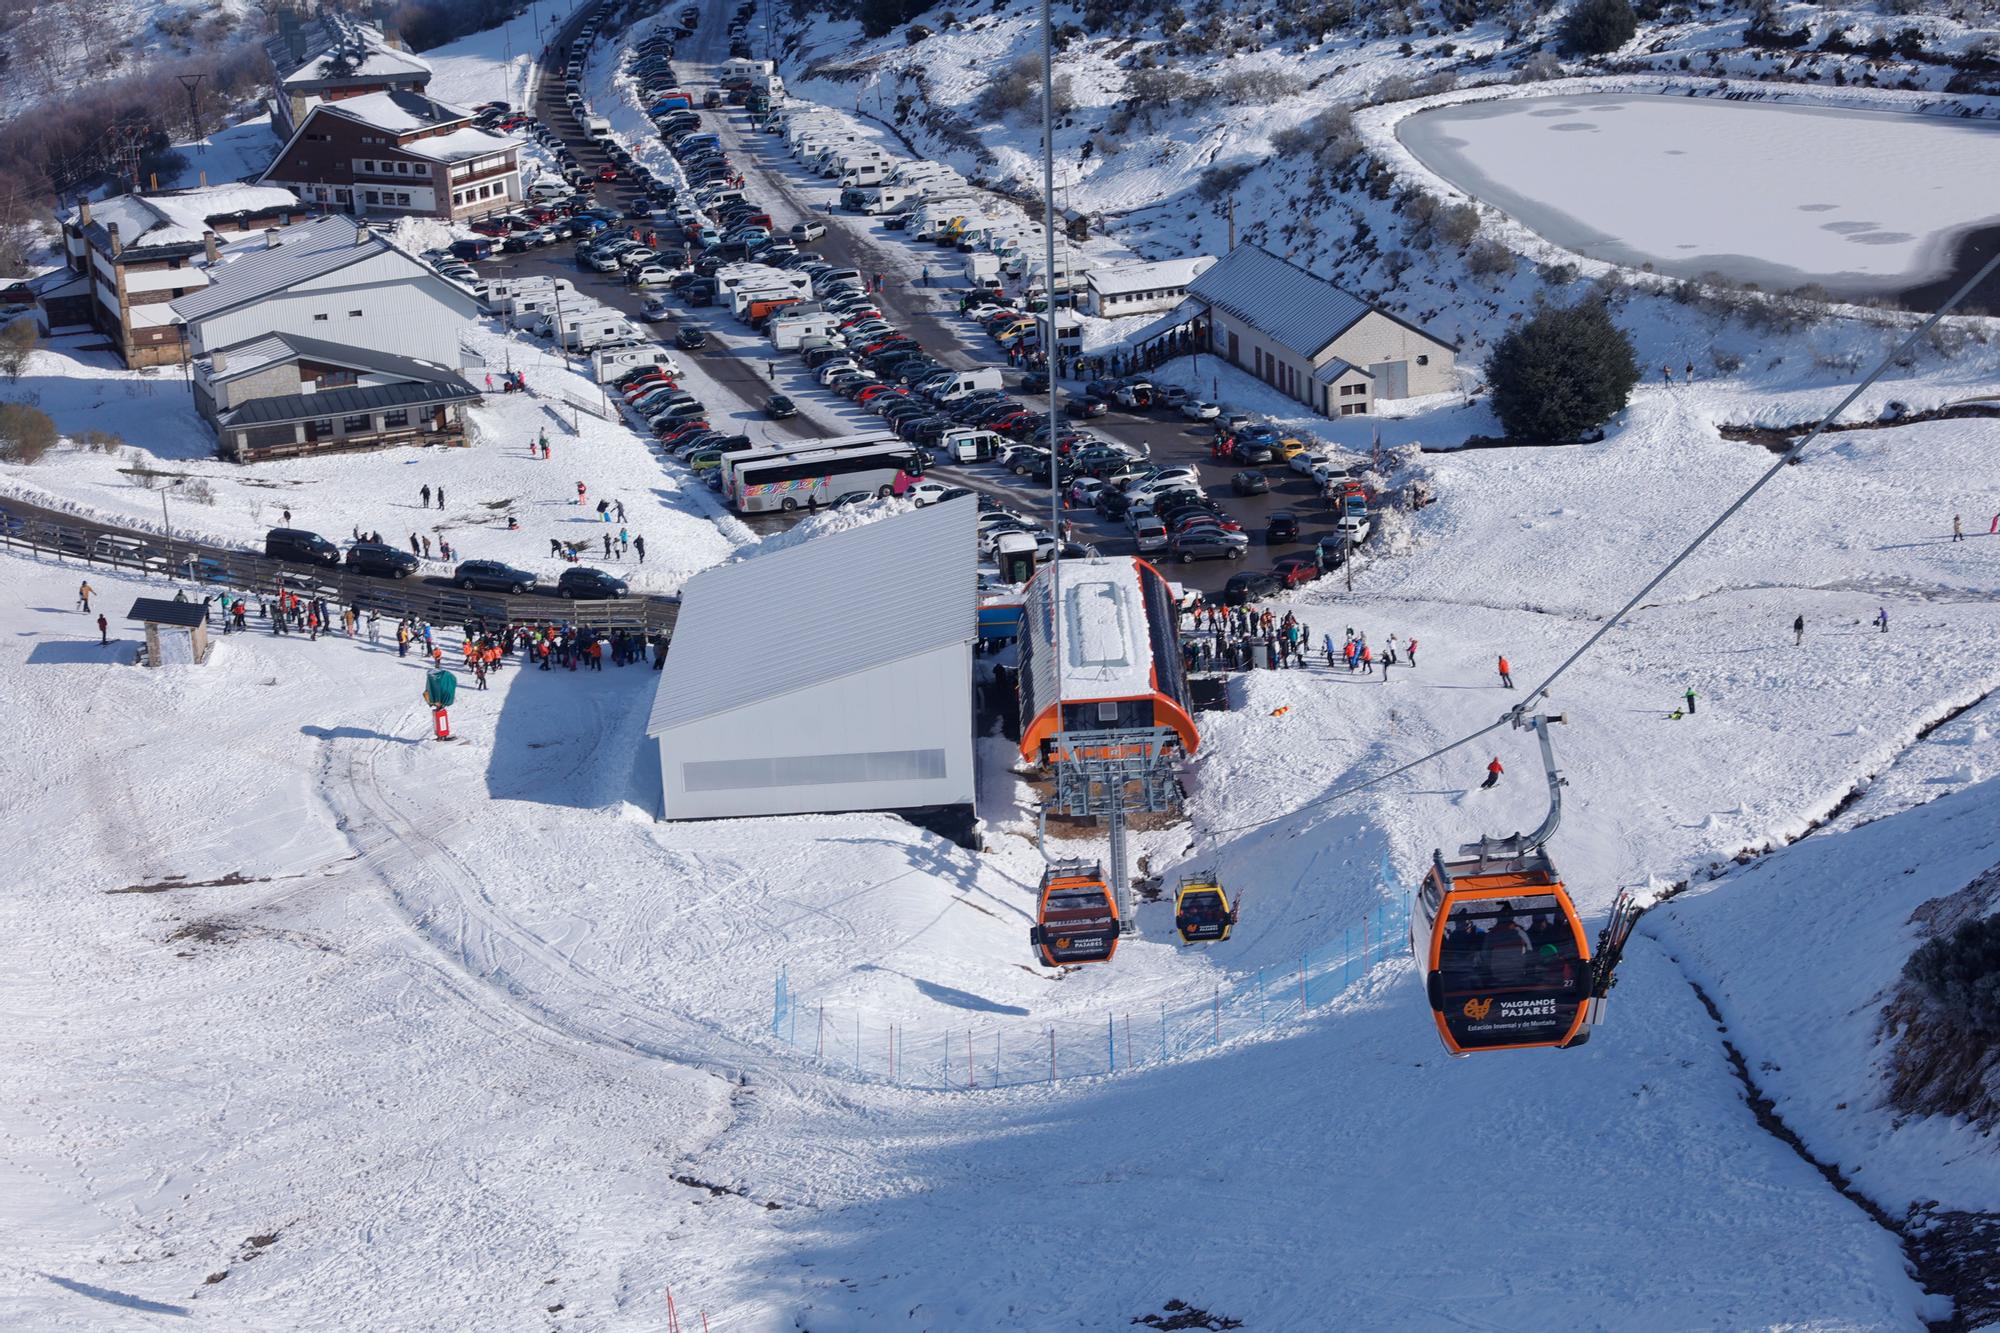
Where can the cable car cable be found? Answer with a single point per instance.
(1516, 716)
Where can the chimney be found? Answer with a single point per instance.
(117, 246)
(203, 178)
(363, 233)
(83, 211)
(218, 362)
(212, 246)
(285, 219)
(270, 238)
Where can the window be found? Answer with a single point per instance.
(354, 425)
(368, 164)
(320, 318)
(374, 196)
(1347, 390)
(1423, 359)
(354, 314)
(403, 198)
(321, 429)
(399, 417)
(1354, 409)
(335, 379)
(813, 770)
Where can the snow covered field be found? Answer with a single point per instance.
(1631, 179)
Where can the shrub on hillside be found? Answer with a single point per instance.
(1489, 258)
(1219, 181)
(1565, 371)
(1595, 27)
(26, 433)
(17, 343)
(1960, 973)
(1021, 87)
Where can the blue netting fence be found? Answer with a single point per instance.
(1007, 1052)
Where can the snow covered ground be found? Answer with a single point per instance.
(484, 484)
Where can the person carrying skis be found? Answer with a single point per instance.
(1506, 672)
(1493, 772)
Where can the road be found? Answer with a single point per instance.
(740, 364)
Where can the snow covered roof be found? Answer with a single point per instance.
(303, 251)
(1107, 650)
(821, 610)
(397, 112)
(1279, 299)
(460, 144)
(335, 49)
(181, 217)
(1186, 312)
(1150, 277)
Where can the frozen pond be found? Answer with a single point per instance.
(1864, 203)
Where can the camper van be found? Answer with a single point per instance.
(983, 270)
(788, 331)
(862, 174)
(597, 127)
(730, 277)
(744, 69)
(595, 330)
(887, 198)
(609, 365)
(752, 304)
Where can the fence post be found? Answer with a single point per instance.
(1052, 1055)
(1111, 1041)
(1215, 1012)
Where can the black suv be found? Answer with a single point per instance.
(492, 576)
(381, 560)
(690, 338)
(1284, 527)
(300, 547)
(583, 581)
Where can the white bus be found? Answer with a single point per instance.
(764, 451)
(817, 478)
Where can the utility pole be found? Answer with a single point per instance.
(192, 83)
(1232, 224)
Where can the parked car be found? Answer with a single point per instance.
(300, 547)
(1297, 569)
(1249, 483)
(583, 581)
(381, 559)
(1251, 585)
(1149, 534)
(492, 576)
(1283, 527)
(808, 230)
(1195, 410)
(1207, 544)
(778, 407)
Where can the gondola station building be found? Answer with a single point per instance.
(832, 675)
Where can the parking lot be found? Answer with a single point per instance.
(742, 366)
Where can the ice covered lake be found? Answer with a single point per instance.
(1864, 203)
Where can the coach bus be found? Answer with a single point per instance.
(817, 478)
(765, 450)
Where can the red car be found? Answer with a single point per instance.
(488, 227)
(607, 172)
(1297, 569)
(874, 391)
(681, 430)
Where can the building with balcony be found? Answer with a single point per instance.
(131, 256)
(398, 154)
(331, 58)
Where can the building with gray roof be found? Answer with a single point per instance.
(835, 674)
(1307, 338)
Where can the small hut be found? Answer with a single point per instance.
(176, 618)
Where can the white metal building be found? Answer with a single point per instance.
(1141, 289)
(832, 675)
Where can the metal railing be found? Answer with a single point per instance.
(220, 571)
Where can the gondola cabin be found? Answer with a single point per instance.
(1076, 920)
(1506, 963)
(1202, 912)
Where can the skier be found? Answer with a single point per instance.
(1689, 696)
(440, 497)
(639, 545)
(620, 506)
(374, 627)
(1882, 619)
(1798, 631)
(103, 629)
(1493, 772)
(580, 492)
(426, 494)
(1411, 649)
(1506, 672)
(83, 595)
(1957, 529)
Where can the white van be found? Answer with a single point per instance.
(787, 332)
(970, 445)
(549, 189)
(862, 173)
(968, 382)
(597, 127)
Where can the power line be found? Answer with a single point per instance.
(1514, 715)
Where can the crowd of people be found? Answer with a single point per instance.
(1215, 637)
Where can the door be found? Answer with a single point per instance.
(1392, 379)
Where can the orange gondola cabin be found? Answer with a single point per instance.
(1506, 962)
(1076, 920)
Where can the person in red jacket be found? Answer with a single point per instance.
(1506, 673)
(1493, 772)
